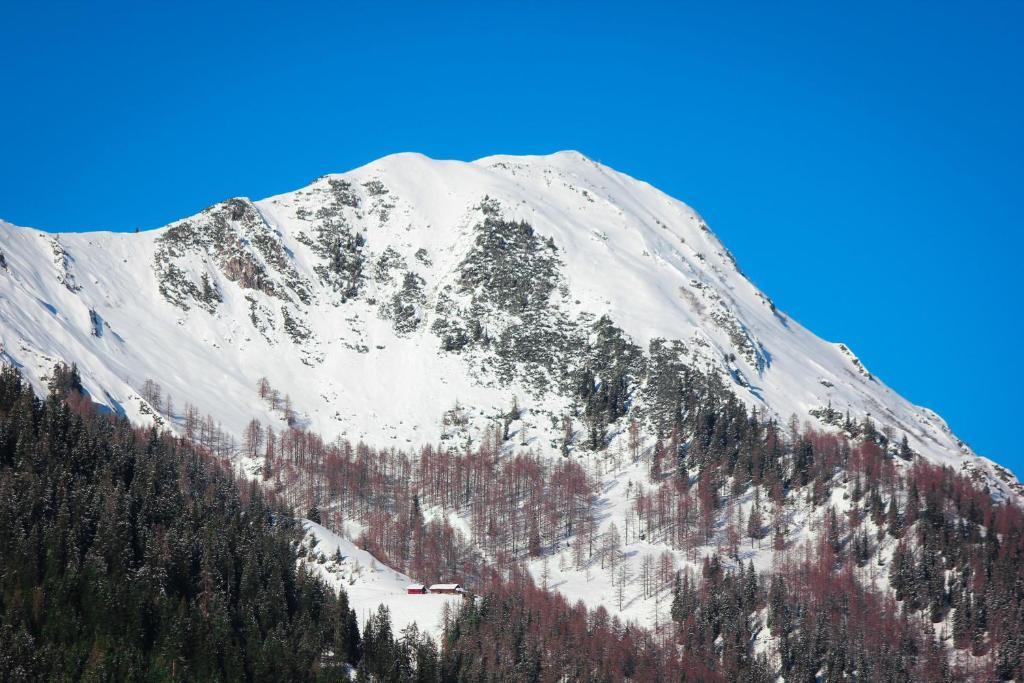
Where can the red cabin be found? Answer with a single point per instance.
(416, 589)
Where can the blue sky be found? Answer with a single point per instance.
(864, 163)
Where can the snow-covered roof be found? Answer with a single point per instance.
(445, 586)
(414, 586)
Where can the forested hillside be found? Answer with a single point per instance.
(129, 553)
(126, 554)
(762, 550)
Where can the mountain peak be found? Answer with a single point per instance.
(561, 157)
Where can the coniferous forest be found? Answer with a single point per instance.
(127, 555)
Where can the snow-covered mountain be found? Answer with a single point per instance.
(414, 301)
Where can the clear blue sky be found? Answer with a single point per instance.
(864, 163)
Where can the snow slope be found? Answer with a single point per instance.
(208, 305)
(369, 583)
